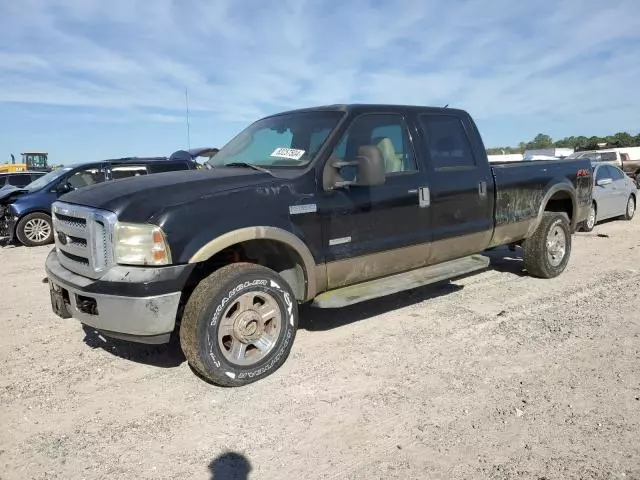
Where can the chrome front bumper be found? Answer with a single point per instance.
(144, 319)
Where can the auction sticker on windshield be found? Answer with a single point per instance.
(291, 153)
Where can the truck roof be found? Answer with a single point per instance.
(370, 107)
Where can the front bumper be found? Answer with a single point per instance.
(132, 303)
(7, 226)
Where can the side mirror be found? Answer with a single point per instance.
(370, 170)
(63, 188)
(604, 181)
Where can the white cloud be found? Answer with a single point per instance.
(575, 61)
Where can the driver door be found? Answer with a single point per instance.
(370, 232)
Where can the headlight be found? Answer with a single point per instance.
(139, 244)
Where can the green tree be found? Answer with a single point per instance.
(540, 141)
(623, 139)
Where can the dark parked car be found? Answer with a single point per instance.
(332, 205)
(25, 213)
(19, 179)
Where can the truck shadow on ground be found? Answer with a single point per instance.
(164, 356)
(506, 261)
(311, 319)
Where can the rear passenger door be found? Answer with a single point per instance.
(604, 195)
(461, 187)
(620, 189)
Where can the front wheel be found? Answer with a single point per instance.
(239, 324)
(631, 208)
(546, 253)
(35, 229)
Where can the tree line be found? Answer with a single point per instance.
(619, 140)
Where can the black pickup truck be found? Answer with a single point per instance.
(331, 205)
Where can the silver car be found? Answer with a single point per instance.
(614, 195)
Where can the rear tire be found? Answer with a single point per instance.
(35, 230)
(239, 324)
(631, 208)
(547, 251)
(591, 220)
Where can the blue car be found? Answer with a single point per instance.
(25, 213)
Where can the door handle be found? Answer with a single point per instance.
(482, 188)
(424, 196)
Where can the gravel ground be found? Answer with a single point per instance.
(496, 376)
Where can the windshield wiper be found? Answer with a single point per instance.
(248, 165)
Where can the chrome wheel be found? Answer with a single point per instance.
(249, 328)
(37, 230)
(556, 245)
(631, 207)
(591, 219)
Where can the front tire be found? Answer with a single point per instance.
(35, 230)
(239, 324)
(631, 208)
(547, 251)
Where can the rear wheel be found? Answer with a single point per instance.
(35, 229)
(631, 208)
(239, 324)
(546, 253)
(590, 222)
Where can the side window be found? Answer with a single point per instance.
(385, 131)
(84, 178)
(19, 180)
(602, 173)
(615, 173)
(126, 171)
(446, 142)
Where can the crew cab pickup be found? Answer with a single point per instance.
(331, 205)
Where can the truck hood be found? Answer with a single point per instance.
(137, 199)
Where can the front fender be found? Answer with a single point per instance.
(234, 237)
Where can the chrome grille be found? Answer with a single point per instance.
(83, 238)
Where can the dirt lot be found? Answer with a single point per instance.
(494, 376)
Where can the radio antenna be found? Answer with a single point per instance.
(186, 101)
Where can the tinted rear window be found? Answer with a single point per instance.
(19, 180)
(446, 141)
(167, 167)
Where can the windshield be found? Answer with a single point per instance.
(44, 180)
(289, 140)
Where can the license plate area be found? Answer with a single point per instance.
(59, 300)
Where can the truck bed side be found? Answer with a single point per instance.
(524, 190)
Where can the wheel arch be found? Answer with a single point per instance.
(29, 212)
(561, 197)
(283, 244)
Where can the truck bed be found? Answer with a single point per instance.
(521, 188)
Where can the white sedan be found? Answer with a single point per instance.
(614, 195)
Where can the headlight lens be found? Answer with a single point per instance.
(139, 244)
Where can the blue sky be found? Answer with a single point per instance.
(91, 79)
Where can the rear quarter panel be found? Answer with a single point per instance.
(524, 190)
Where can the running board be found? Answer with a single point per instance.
(381, 287)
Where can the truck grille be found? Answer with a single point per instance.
(83, 238)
